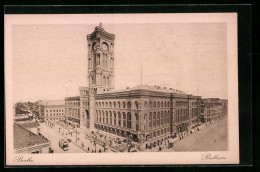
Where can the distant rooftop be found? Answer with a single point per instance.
(53, 102)
(24, 138)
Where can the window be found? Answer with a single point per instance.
(119, 105)
(145, 105)
(161, 104)
(119, 119)
(150, 104)
(158, 118)
(158, 104)
(124, 119)
(110, 113)
(129, 105)
(161, 118)
(106, 117)
(114, 118)
(137, 122)
(136, 105)
(124, 105)
(150, 119)
(154, 119)
(114, 104)
(154, 104)
(103, 120)
(128, 120)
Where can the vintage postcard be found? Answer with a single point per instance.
(121, 89)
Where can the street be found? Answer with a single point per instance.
(54, 138)
(212, 137)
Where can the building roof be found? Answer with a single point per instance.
(24, 138)
(151, 88)
(28, 124)
(75, 98)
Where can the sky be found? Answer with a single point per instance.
(191, 57)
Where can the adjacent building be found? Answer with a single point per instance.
(54, 110)
(146, 114)
(212, 109)
(26, 141)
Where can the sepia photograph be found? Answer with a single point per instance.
(121, 89)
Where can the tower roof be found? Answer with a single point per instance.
(100, 30)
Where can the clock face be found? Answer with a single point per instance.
(104, 47)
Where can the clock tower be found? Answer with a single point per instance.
(100, 60)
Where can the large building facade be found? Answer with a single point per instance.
(146, 114)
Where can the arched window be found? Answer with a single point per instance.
(107, 81)
(150, 119)
(102, 104)
(136, 105)
(119, 105)
(128, 120)
(165, 118)
(99, 116)
(98, 59)
(158, 118)
(124, 119)
(168, 104)
(124, 105)
(106, 117)
(154, 119)
(114, 104)
(110, 113)
(145, 104)
(158, 104)
(129, 105)
(99, 104)
(119, 119)
(150, 105)
(161, 104)
(137, 122)
(154, 104)
(103, 116)
(106, 104)
(161, 118)
(114, 118)
(110, 104)
(165, 105)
